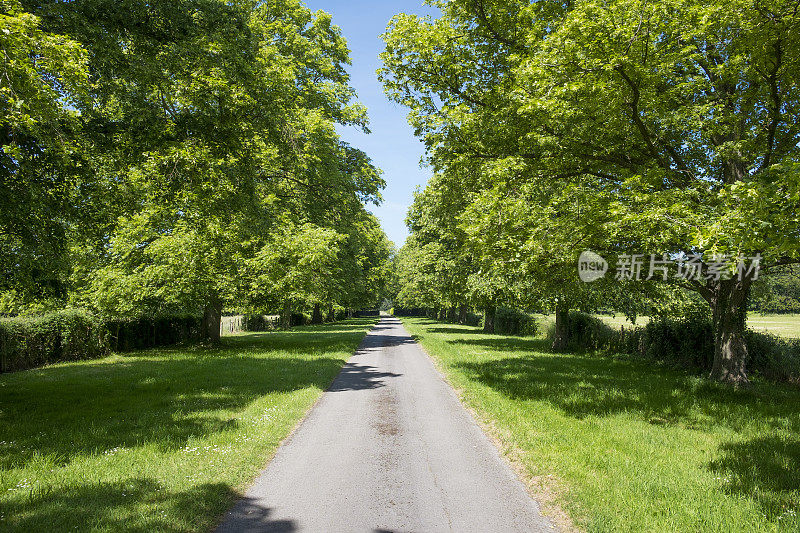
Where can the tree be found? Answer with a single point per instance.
(680, 116)
(213, 128)
(43, 75)
(296, 267)
(687, 112)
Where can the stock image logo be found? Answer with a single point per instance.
(591, 266)
(692, 267)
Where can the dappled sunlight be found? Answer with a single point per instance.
(70, 430)
(118, 505)
(164, 402)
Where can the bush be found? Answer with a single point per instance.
(688, 343)
(586, 333)
(508, 321)
(684, 342)
(473, 319)
(299, 319)
(28, 342)
(151, 332)
(773, 357)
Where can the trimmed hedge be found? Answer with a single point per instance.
(72, 335)
(29, 342)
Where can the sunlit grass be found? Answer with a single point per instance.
(636, 446)
(783, 325)
(160, 440)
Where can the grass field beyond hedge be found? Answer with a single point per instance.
(158, 440)
(782, 325)
(632, 446)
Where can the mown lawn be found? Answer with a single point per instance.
(783, 325)
(632, 446)
(159, 440)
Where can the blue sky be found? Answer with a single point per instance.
(391, 145)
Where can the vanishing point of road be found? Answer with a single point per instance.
(388, 448)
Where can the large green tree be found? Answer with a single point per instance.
(680, 116)
(213, 130)
(42, 76)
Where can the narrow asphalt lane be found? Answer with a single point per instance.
(388, 448)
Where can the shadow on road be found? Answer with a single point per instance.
(354, 376)
(248, 517)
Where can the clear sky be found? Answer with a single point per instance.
(391, 145)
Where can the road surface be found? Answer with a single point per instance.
(388, 448)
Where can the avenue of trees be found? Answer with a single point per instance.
(619, 126)
(181, 156)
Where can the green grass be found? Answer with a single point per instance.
(160, 440)
(636, 447)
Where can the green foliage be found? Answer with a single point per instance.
(777, 292)
(173, 145)
(621, 126)
(43, 74)
(686, 342)
(776, 358)
(29, 342)
(259, 323)
(584, 332)
(509, 321)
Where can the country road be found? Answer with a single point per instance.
(387, 448)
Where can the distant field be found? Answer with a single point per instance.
(783, 325)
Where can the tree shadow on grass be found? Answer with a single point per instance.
(508, 344)
(158, 396)
(118, 507)
(584, 385)
(765, 468)
(456, 330)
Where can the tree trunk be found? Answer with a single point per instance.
(729, 306)
(561, 336)
(331, 313)
(212, 318)
(488, 318)
(462, 314)
(286, 315)
(316, 316)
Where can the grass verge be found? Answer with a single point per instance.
(631, 446)
(159, 440)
